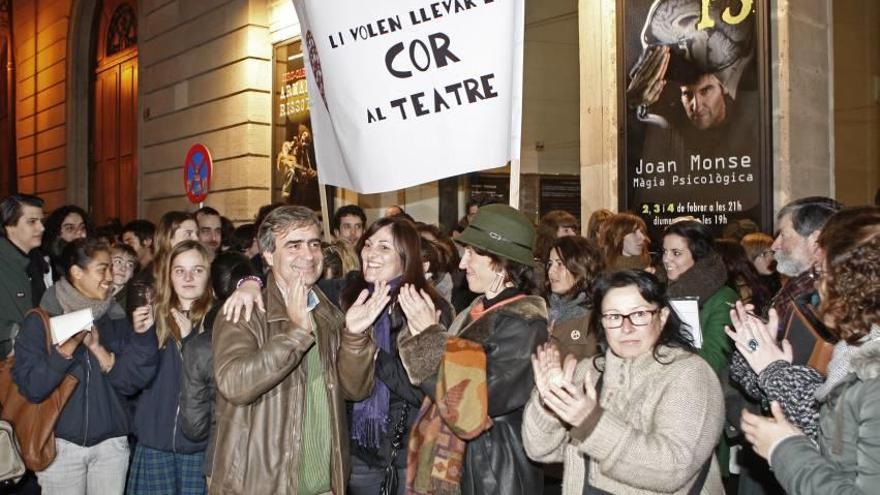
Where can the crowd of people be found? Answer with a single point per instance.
(494, 357)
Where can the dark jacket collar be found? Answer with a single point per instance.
(10, 252)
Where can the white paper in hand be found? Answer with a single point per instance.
(688, 309)
(67, 325)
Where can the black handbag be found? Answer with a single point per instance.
(391, 481)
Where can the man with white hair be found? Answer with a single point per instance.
(799, 257)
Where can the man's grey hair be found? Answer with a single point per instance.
(282, 219)
(809, 214)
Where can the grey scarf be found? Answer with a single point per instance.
(568, 308)
(839, 366)
(70, 299)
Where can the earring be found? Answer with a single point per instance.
(497, 283)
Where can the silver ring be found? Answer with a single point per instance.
(752, 345)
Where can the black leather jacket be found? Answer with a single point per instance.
(495, 461)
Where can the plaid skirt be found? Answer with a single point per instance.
(156, 472)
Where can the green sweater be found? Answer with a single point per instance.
(314, 467)
(714, 315)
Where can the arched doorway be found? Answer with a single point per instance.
(113, 162)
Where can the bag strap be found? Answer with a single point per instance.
(697, 487)
(805, 309)
(589, 489)
(45, 317)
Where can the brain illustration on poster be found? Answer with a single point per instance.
(296, 175)
(695, 110)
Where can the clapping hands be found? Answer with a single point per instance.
(755, 339)
(419, 309)
(366, 308)
(570, 403)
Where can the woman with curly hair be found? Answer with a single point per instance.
(65, 224)
(847, 427)
(623, 239)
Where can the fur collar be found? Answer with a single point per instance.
(702, 280)
(866, 361)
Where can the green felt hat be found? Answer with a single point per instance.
(502, 231)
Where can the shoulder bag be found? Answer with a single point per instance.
(34, 424)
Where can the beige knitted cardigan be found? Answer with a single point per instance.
(659, 425)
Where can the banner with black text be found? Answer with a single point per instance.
(408, 92)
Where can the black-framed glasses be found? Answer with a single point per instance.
(638, 318)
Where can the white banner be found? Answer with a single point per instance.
(408, 92)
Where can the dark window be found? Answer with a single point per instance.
(122, 33)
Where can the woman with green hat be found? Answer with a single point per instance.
(476, 374)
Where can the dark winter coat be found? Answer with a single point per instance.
(495, 461)
(848, 456)
(157, 422)
(97, 409)
(359, 352)
(198, 393)
(707, 280)
(16, 296)
(570, 326)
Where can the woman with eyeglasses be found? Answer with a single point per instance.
(757, 246)
(642, 418)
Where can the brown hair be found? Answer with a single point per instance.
(168, 225)
(406, 242)
(579, 256)
(443, 243)
(850, 284)
(595, 223)
(755, 244)
(547, 228)
(167, 299)
(611, 235)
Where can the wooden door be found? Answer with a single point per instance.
(113, 172)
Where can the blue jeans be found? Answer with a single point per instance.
(77, 470)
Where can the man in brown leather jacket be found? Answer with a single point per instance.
(281, 424)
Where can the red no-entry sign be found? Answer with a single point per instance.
(197, 173)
